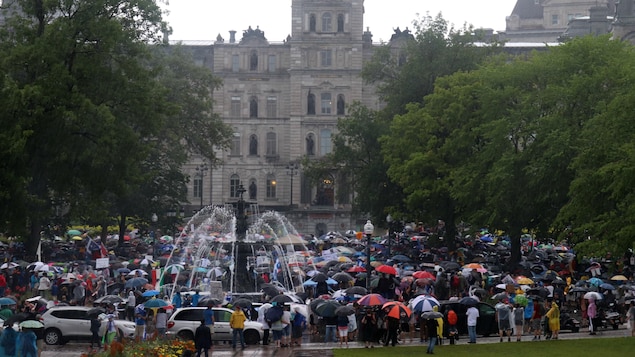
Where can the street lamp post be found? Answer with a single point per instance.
(292, 170)
(201, 172)
(154, 220)
(368, 230)
(389, 221)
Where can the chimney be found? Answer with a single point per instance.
(232, 36)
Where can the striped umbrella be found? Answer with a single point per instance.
(423, 303)
(397, 310)
(371, 300)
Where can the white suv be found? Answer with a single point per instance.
(184, 321)
(62, 323)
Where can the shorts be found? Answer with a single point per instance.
(277, 335)
(139, 330)
(343, 331)
(405, 327)
(504, 325)
(535, 324)
(286, 331)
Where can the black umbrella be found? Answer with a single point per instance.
(95, 311)
(449, 265)
(207, 301)
(542, 292)
(17, 318)
(281, 299)
(468, 301)
(244, 303)
(401, 258)
(274, 313)
(344, 310)
(270, 289)
(342, 277)
(315, 303)
(327, 309)
(356, 290)
(136, 282)
(319, 278)
(109, 299)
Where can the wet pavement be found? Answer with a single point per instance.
(316, 349)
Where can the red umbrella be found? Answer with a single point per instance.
(424, 275)
(386, 269)
(397, 310)
(371, 300)
(356, 269)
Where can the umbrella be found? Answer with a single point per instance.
(468, 301)
(521, 300)
(270, 290)
(123, 270)
(345, 310)
(401, 258)
(424, 303)
(431, 315)
(479, 268)
(155, 303)
(7, 301)
(607, 286)
(31, 324)
(109, 299)
(372, 300)
(619, 277)
(135, 282)
(17, 318)
(74, 232)
(244, 303)
(150, 293)
(592, 295)
(96, 311)
(274, 313)
(342, 277)
(358, 269)
(356, 290)
(281, 299)
(9, 265)
(397, 310)
(386, 269)
(207, 301)
(327, 309)
(500, 296)
(319, 277)
(424, 275)
(579, 289)
(137, 271)
(449, 265)
(595, 281)
(523, 280)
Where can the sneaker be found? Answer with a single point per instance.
(509, 339)
(501, 339)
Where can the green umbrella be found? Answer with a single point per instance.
(31, 324)
(521, 300)
(74, 232)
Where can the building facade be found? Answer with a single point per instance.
(283, 101)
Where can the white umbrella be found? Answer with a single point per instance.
(134, 272)
(10, 265)
(42, 268)
(593, 295)
(423, 303)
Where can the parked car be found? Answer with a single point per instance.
(485, 325)
(184, 321)
(62, 323)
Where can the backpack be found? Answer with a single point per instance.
(455, 281)
(299, 320)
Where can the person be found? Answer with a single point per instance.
(502, 316)
(237, 324)
(331, 327)
(130, 305)
(342, 329)
(553, 316)
(177, 301)
(276, 329)
(44, 286)
(286, 323)
(368, 322)
(452, 319)
(95, 325)
(352, 326)
(265, 326)
(27, 346)
(8, 342)
(631, 317)
(299, 325)
(195, 298)
(432, 332)
(536, 319)
(592, 311)
(472, 317)
(208, 315)
(202, 339)
(392, 325)
(161, 323)
(140, 322)
(111, 331)
(519, 321)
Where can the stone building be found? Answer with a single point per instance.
(283, 101)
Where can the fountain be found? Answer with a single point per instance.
(221, 241)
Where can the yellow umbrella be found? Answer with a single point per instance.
(523, 280)
(77, 238)
(619, 278)
(375, 264)
(344, 259)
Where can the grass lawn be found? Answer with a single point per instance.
(562, 348)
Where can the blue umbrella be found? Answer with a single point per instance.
(123, 270)
(7, 301)
(595, 281)
(136, 282)
(149, 293)
(606, 286)
(154, 303)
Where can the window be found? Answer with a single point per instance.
(253, 61)
(272, 107)
(554, 19)
(221, 316)
(341, 104)
(326, 58)
(197, 189)
(327, 26)
(235, 151)
(271, 186)
(235, 63)
(310, 107)
(325, 142)
(253, 107)
(234, 183)
(235, 107)
(340, 23)
(271, 63)
(253, 145)
(326, 103)
(272, 144)
(312, 23)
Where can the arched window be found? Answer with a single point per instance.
(234, 183)
(253, 61)
(310, 110)
(341, 104)
(272, 144)
(271, 186)
(327, 25)
(312, 21)
(253, 145)
(340, 23)
(253, 107)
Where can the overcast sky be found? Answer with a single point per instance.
(205, 19)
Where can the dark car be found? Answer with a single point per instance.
(485, 325)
